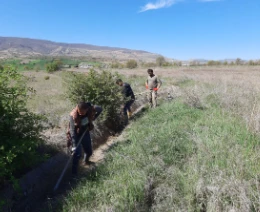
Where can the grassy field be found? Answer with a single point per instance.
(176, 158)
(199, 152)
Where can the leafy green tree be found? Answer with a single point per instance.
(131, 64)
(98, 88)
(19, 128)
(52, 67)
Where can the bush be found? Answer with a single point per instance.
(251, 63)
(117, 65)
(131, 64)
(52, 67)
(225, 63)
(213, 63)
(149, 65)
(160, 61)
(19, 128)
(239, 61)
(26, 68)
(97, 88)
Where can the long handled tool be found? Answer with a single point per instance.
(67, 164)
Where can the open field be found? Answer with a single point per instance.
(203, 147)
(236, 88)
(199, 152)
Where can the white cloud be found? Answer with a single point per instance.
(157, 5)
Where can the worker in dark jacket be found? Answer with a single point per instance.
(129, 97)
(81, 120)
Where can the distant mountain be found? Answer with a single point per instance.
(25, 47)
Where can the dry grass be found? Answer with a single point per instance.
(235, 87)
(222, 172)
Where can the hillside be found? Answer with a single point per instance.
(24, 47)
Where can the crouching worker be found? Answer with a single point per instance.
(128, 95)
(81, 123)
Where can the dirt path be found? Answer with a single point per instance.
(40, 197)
(49, 203)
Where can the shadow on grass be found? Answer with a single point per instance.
(54, 201)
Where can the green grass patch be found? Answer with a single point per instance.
(176, 158)
(185, 82)
(40, 63)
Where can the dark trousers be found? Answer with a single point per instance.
(127, 106)
(87, 147)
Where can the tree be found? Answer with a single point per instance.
(160, 61)
(238, 61)
(225, 63)
(131, 64)
(251, 62)
(19, 128)
(211, 63)
(52, 67)
(94, 87)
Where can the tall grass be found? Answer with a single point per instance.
(176, 158)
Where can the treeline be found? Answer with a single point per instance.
(46, 63)
(161, 62)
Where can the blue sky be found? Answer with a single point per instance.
(179, 29)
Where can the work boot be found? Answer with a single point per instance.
(86, 160)
(129, 114)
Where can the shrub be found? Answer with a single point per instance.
(131, 64)
(251, 63)
(97, 88)
(160, 61)
(149, 65)
(52, 67)
(26, 68)
(239, 61)
(117, 65)
(213, 63)
(19, 128)
(37, 68)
